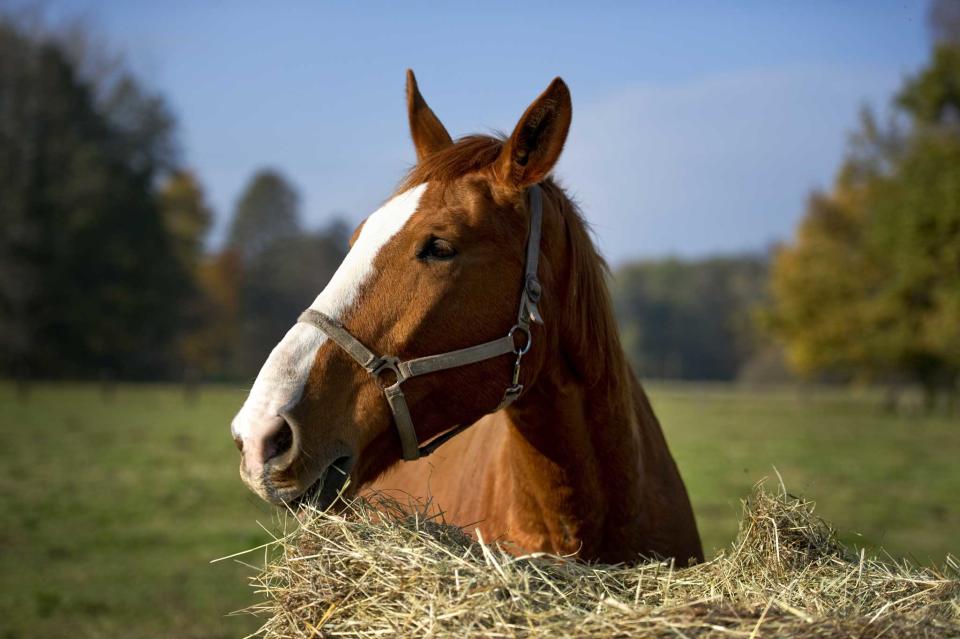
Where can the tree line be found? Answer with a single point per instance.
(105, 268)
(694, 319)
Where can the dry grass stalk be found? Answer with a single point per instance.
(377, 571)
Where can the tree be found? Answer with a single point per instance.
(932, 98)
(204, 309)
(210, 349)
(916, 228)
(279, 282)
(267, 211)
(186, 216)
(870, 287)
(90, 284)
(944, 21)
(821, 287)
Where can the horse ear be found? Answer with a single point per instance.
(535, 145)
(428, 133)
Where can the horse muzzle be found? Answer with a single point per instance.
(274, 465)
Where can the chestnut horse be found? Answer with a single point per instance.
(563, 453)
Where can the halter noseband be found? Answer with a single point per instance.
(404, 370)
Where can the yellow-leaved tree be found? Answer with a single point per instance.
(869, 288)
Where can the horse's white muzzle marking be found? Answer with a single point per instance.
(258, 426)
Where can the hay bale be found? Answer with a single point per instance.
(377, 571)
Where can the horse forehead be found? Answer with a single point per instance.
(358, 265)
(388, 220)
(469, 194)
(466, 205)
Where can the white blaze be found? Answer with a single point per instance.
(282, 379)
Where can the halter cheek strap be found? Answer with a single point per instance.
(379, 365)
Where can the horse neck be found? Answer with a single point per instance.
(574, 456)
(576, 439)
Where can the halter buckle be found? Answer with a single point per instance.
(534, 289)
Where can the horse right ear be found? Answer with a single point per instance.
(535, 144)
(428, 133)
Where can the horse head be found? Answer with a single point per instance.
(440, 267)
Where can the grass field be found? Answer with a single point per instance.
(112, 507)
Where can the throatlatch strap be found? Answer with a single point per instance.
(532, 290)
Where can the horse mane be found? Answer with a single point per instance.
(591, 338)
(591, 326)
(469, 154)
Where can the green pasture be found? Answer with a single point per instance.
(113, 505)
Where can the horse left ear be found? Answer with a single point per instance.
(535, 144)
(428, 133)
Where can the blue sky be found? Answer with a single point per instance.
(699, 127)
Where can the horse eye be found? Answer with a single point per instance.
(437, 248)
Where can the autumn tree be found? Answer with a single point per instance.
(207, 312)
(823, 284)
(211, 347)
(186, 216)
(870, 286)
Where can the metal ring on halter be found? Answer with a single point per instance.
(526, 347)
(391, 364)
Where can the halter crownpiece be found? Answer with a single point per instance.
(378, 365)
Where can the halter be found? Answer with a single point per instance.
(377, 366)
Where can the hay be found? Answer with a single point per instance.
(375, 573)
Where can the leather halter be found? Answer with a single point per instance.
(378, 365)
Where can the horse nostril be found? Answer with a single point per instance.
(279, 442)
(239, 442)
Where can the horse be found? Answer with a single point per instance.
(535, 431)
